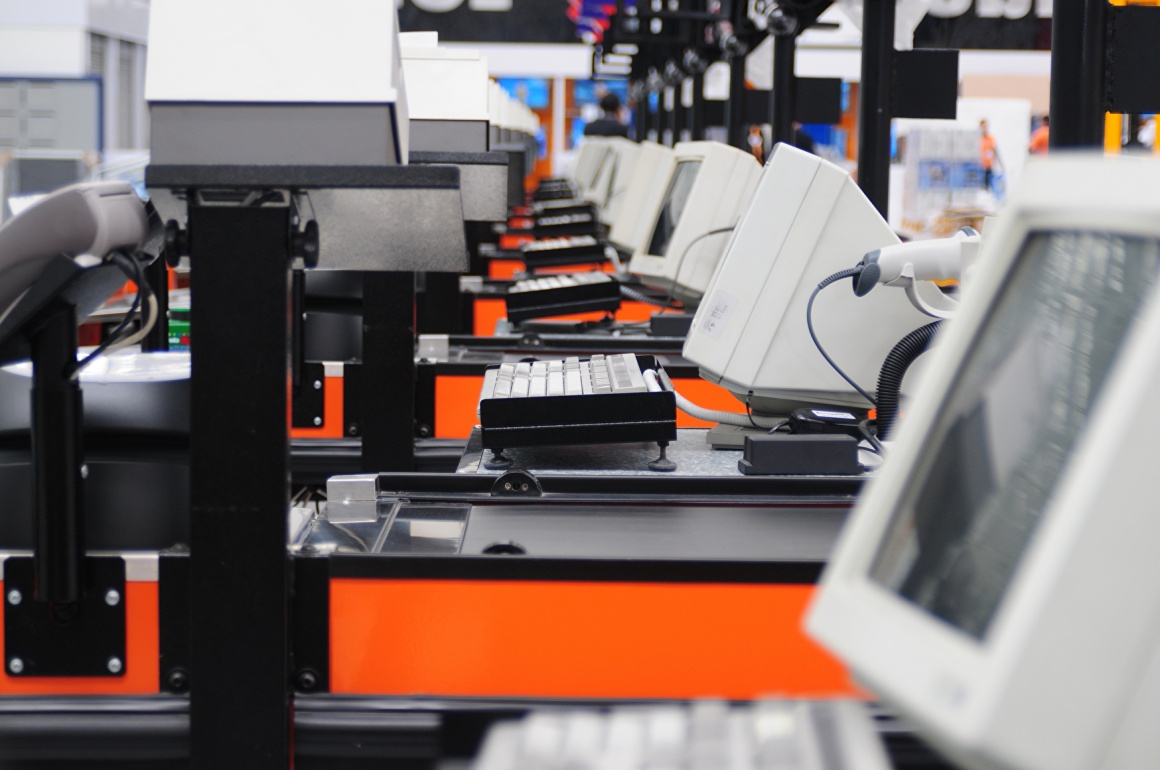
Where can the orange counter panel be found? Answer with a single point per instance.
(333, 421)
(457, 397)
(142, 656)
(575, 640)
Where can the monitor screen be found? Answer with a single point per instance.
(1010, 421)
(674, 206)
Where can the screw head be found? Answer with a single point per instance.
(317, 420)
(16, 666)
(178, 680)
(112, 597)
(115, 665)
(307, 680)
(318, 384)
(507, 486)
(14, 598)
(84, 471)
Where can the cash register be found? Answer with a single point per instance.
(997, 585)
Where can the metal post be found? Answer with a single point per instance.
(388, 393)
(671, 115)
(875, 102)
(697, 111)
(735, 125)
(58, 457)
(1078, 64)
(680, 112)
(239, 476)
(157, 276)
(783, 97)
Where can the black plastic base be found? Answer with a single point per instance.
(811, 454)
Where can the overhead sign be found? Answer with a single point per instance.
(995, 24)
(482, 21)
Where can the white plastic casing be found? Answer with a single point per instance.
(723, 186)
(210, 54)
(589, 160)
(1068, 675)
(445, 84)
(651, 173)
(807, 220)
(626, 152)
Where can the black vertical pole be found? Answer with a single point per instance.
(876, 97)
(697, 111)
(641, 121)
(388, 378)
(1078, 65)
(57, 459)
(671, 115)
(239, 476)
(735, 124)
(680, 112)
(783, 97)
(655, 122)
(157, 276)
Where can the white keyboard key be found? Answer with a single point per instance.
(520, 387)
(555, 366)
(572, 383)
(585, 378)
(507, 370)
(538, 387)
(555, 383)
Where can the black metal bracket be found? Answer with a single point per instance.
(1130, 79)
(926, 84)
(517, 483)
(84, 638)
(309, 403)
(817, 100)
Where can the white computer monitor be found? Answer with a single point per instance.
(691, 220)
(998, 583)
(623, 155)
(807, 220)
(589, 159)
(653, 169)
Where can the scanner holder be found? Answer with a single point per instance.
(55, 625)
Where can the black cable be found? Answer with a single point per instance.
(894, 368)
(778, 426)
(685, 253)
(810, 325)
(137, 276)
(749, 411)
(633, 294)
(876, 445)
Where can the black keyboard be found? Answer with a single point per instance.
(552, 295)
(598, 400)
(550, 225)
(557, 208)
(568, 250)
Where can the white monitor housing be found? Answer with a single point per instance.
(807, 220)
(653, 169)
(693, 215)
(998, 582)
(230, 83)
(447, 92)
(624, 155)
(589, 161)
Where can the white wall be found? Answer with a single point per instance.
(43, 51)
